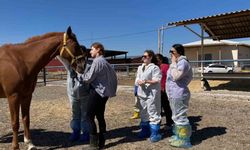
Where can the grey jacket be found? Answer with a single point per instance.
(102, 77)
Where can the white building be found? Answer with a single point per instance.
(219, 50)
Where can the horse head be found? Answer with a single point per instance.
(72, 52)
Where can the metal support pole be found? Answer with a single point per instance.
(160, 37)
(202, 48)
(193, 31)
(159, 40)
(162, 41)
(127, 68)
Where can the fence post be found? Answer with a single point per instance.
(127, 68)
(44, 76)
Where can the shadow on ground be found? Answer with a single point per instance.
(128, 134)
(203, 134)
(43, 138)
(55, 140)
(234, 85)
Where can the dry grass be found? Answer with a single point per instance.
(219, 119)
(195, 85)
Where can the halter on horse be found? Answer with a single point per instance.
(74, 58)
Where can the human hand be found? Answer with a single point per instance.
(173, 58)
(141, 82)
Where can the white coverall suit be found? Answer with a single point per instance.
(149, 95)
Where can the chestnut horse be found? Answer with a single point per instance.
(20, 65)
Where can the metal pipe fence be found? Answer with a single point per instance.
(241, 70)
(52, 73)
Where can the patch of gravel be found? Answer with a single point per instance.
(220, 120)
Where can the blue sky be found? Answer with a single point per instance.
(100, 20)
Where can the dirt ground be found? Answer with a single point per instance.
(220, 120)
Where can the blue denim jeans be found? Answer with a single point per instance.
(78, 109)
(179, 107)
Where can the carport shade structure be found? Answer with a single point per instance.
(222, 26)
(230, 25)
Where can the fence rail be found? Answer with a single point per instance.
(239, 66)
(51, 73)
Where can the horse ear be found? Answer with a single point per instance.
(69, 31)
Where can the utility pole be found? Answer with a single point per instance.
(161, 37)
(159, 40)
(162, 40)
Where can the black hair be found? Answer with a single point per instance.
(152, 54)
(163, 59)
(179, 48)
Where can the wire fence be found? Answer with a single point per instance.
(223, 69)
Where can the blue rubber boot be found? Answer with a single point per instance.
(75, 135)
(84, 137)
(75, 126)
(155, 135)
(183, 133)
(145, 130)
(85, 131)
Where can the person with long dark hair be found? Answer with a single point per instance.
(178, 77)
(164, 66)
(148, 79)
(103, 84)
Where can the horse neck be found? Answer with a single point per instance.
(41, 53)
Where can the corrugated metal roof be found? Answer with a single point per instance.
(223, 26)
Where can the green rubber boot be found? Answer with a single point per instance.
(173, 137)
(183, 134)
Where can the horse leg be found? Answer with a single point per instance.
(25, 109)
(14, 106)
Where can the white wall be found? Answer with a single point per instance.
(244, 53)
(218, 52)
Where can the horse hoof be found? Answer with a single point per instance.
(31, 147)
(26, 141)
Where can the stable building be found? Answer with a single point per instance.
(218, 50)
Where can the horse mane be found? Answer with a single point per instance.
(34, 38)
(40, 37)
